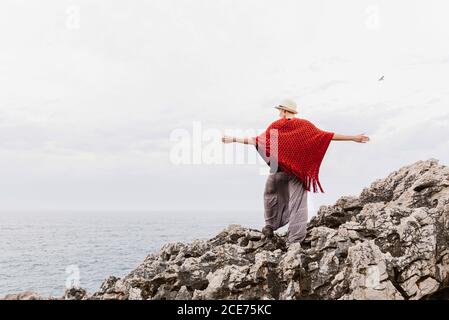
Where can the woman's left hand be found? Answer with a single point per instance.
(227, 139)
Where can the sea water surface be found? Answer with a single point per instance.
(44, 251)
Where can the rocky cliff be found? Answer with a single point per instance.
(390, 242)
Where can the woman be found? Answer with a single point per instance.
(294, 149)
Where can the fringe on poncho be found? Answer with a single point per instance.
(298, 147)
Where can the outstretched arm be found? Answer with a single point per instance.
(246, 140)
(361, 138)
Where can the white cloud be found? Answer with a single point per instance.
(86, 114)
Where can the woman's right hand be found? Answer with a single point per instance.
(361, 138)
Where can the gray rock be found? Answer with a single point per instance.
(75, 294)
(26, 295)
(390, 242)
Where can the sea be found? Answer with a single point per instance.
(46, 252)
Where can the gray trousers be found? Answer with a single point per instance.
(285, 201)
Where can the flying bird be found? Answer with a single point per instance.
(382, 78)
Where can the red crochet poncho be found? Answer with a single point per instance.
(300, 149)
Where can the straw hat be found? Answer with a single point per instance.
(288, 105)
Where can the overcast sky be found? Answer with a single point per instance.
(92, 90)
